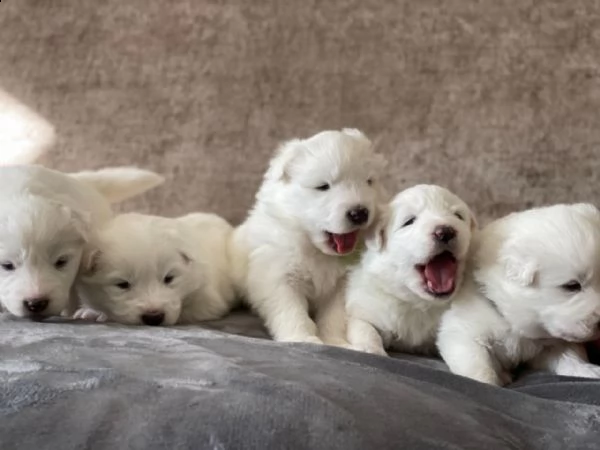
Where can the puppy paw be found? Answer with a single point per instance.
(303, 339)
(372, 348)
(337, 342)
(90, 315)
(583, 370)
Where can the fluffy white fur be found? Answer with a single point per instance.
(388, 302)
(159, 271)
(24, 134)
(534, 296)
(46, 218)
(288, 265)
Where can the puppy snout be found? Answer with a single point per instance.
(153, 318)
(358, 215)
(444, 234)
(36, 305)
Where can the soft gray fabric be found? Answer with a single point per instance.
(76, 385)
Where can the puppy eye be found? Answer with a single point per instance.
(572, 286)
(370, 181)
(8, 266)
(168, 279)
(323, 187)
(61, 262)
(124, 285)
(459, 215)
(409, 222)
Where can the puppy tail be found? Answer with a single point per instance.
(120, 183)
(24, 135)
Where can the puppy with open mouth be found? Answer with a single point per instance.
(318, 198)
(46, 219)
(412, 268)
(533, 298)
(149, 270)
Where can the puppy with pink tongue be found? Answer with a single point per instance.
(319, 197)
(412, 268)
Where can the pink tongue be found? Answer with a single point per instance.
(440, 273)
(344, 243)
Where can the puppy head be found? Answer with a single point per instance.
(138, 273)
(423, 242)
(542, 269)
(41, 244)
(327, 186)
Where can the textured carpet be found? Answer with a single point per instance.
(498, 100)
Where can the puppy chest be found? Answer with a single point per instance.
(415, 329)
(315, 283)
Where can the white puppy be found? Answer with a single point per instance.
(46, 217)
(413, 266)
(535, 294)
(318, 197)
(159, 271)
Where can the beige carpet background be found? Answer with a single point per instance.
(498, 100)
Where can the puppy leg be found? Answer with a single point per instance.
(331, 321)
(467, 358)
(364, 337)
(568, 360)
(285, 313)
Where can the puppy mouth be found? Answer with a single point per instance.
(342, 244)
(439, 274)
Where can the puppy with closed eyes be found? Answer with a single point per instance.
(411, 270)
(149, 270)
(46, 220)
(534, 297)
(319, 197)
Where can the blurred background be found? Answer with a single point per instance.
(497, 100)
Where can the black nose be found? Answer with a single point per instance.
(358, 215)
(36, 305)
(153, 318)
(444, 234)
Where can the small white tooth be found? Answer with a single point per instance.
(429, 285)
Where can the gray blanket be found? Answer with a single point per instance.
(92, 386)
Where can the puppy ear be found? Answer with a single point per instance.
(90, 261)
(519, 269)
(474, 222)
(284, 156)
(376, 236)
(81, 220)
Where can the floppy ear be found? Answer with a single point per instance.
(520, 269)
(474, 223)
(81, 220)
(376, 236)
(90, 261)
(284, 156)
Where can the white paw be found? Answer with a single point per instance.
(583, 370)
(90, 315)
(370, 347)
(337, 342)
(304, 339)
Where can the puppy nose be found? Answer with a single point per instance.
(153, 318)
(444, 234)
(358, 215)
(36, 305)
